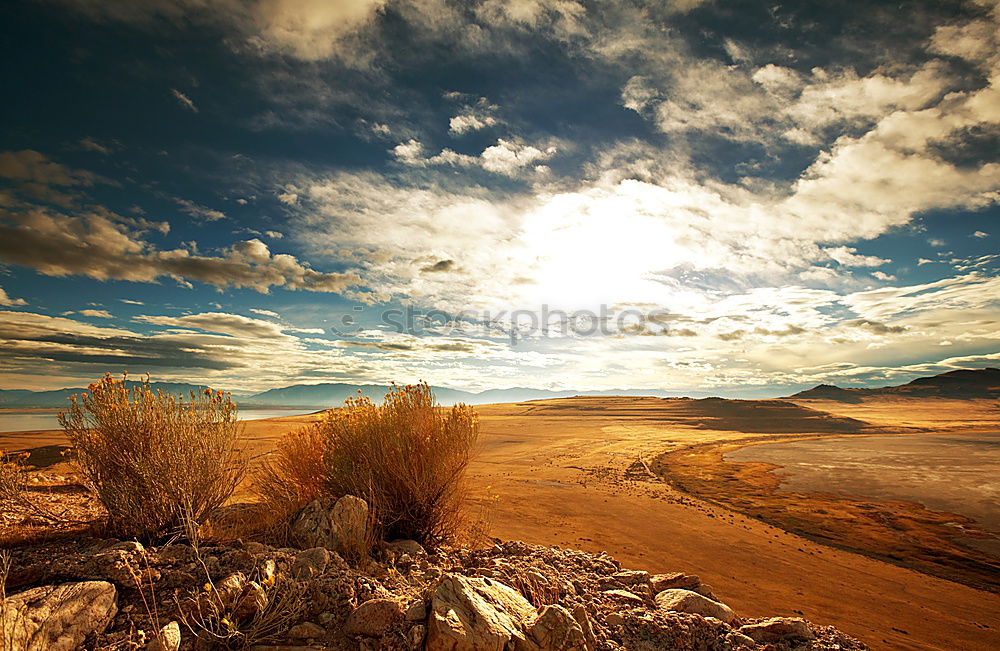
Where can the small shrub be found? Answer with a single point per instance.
(407, 457)
(294, 474)
(150, 456)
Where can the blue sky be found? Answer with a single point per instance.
(731, 196)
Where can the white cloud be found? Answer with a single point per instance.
(848, 257)
(219, 322)
(980, 234)
(507, 157)
(264, 312)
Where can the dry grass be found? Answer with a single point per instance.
(147, 454)
(406, 456)
(293, 475)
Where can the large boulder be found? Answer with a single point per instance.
(685, 601)
(342, 525)
(476, 614)
(778, 629)
(57, 618)
(661, 582)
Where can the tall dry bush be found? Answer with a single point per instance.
(406, 456)
(151, 457)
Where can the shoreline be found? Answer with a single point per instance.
(905, 533)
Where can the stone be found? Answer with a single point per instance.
(685, 601)
(253, 601)
(614, 620)
(631, 577)
(310, 563)
(626, 596)
(476, 614)
(417, 611)
(167, 639)
(415, 637)
(341, 526)
(373, 618)
(554, 629)
(778, 629)
(229, 589)
(583, 619)
(411, 548)
(58, 617)
(661, 582)
(306, 631)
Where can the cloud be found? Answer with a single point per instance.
(309, 30)
(507, 157)
(7, 301)
(97, 314)
(848, 257)
(129, 301)
(30, 166)
(220, 322)
(274, 235)
(104, 246)
(184, 100)
(980, 234)
(264, 312)
(92, 145)
(199, 211)
(474, 117)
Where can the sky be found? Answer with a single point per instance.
(738, 197)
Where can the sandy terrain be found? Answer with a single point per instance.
(553, 473)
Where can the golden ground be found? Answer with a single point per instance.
(552, 472)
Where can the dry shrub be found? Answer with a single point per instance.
(149, 455)
(407, 457)
(293, 475)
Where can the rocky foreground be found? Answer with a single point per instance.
(110, 594)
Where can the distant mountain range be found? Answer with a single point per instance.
(963, 384)
(319, 396)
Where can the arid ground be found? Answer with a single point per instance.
(556, 472)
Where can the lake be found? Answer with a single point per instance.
(956, 473)
(20, 421)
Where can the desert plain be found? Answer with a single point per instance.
(647, 480)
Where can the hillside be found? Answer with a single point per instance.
(23, 399)
(963, 384)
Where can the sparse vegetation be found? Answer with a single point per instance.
(148, 455)
(291, 476)
(406, 456)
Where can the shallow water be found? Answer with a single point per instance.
(953, 473)
(21, 421)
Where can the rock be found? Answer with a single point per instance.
(614, 620)
(475, 614)
(350, 515)
(583, 619)
(253, 601)
(554, 629)
(417, 612)
(310, 563)
(661, 582)
(373, 618)
(705, 591)
(167, 639)
(686, 601)
(778, 629)
(631, 577)
(229, 589)
(411, 548)
(739, 641)
(57, 618)
(639, 469)
(626, 596)
(415, 637)
(341, 525)
(313, 527)
(306, 631)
